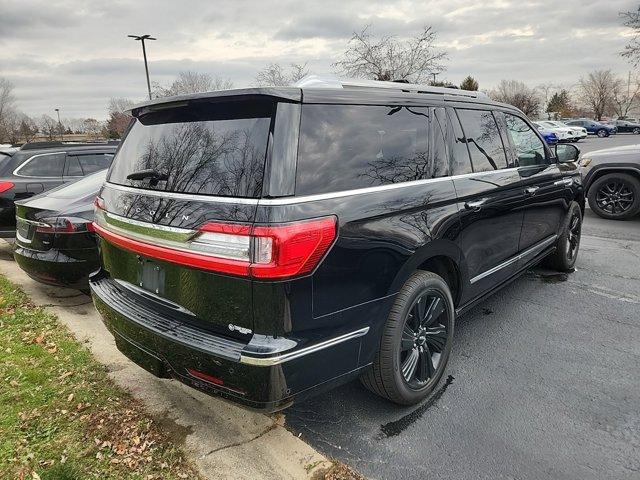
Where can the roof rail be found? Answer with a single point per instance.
(331, 81)
(37, 145)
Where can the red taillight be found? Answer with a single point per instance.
(98, 203)
(5, 186)
(264, 252)
(274, 251)
(293, 249)
(215, 380)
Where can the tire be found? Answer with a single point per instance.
(615, 196)
(602, 133)
(430, 345)
(636, 131)
(564, 257)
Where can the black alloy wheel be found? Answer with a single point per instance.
(636, 130)
(565, 255)
(573, 237)
(424, 337)
(615, 196)
(416, 341)
(602, 133)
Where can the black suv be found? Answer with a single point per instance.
(38, 167)
(263, 244)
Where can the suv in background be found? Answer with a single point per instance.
(267, 243)
(611, 179)
(593, 128)
(626, 126)
(36, 168)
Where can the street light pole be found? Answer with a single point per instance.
(142, 38)
(60, 125)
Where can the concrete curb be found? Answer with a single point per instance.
(224, 441)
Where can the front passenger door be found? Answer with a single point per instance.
(547, 193)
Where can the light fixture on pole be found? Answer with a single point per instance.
(142, 38)
(60, 125)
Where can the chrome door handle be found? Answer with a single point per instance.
(564, 181)
(475, 206)
(531, 190)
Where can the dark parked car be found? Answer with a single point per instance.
(594, 128)
(264, 244)
(55, 243)
(612, 181)
(36, 168)
(625, 126)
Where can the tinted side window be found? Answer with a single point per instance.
(439, 157)
(460, 163)
(73, 167)
(343, 147)
(483, 139)
(47, 165)
(94, 162)
(529, 148)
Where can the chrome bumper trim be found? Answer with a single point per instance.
(285, 357)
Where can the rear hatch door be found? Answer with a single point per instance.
(180, 168)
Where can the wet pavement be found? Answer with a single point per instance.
(544, 382)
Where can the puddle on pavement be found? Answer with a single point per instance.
(553, 277)
(395, 428)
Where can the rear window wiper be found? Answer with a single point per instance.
(154, 175)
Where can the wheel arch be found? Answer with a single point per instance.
(442, 257)
(598, 172)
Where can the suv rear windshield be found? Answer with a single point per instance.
(201, 148)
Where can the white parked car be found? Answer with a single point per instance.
(564, 132)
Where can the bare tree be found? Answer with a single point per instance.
(546, 92)
(7, 113)
(595, 91)
(28, 128)
(118, 120)
(48, 126)
(625, 95)
(517, 94)
(6, 96)
(192, 82)
(388, 58)
(275, 75)
(632, 49)
(92, 127)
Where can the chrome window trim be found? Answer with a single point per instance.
(304, 198)
(534, 248)
(23, 164)
(285, 357)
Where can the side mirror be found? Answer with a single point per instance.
(567, 153)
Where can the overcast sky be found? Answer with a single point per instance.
(75, 55)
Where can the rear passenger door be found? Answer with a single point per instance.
(547, 194)
(490, 200)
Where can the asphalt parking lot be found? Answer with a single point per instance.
(544, 381)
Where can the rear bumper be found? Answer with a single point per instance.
(262, 372)
(58, 267)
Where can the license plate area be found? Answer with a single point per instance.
(151, 277)
(24, 231)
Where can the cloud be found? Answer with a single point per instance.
(75, 54)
